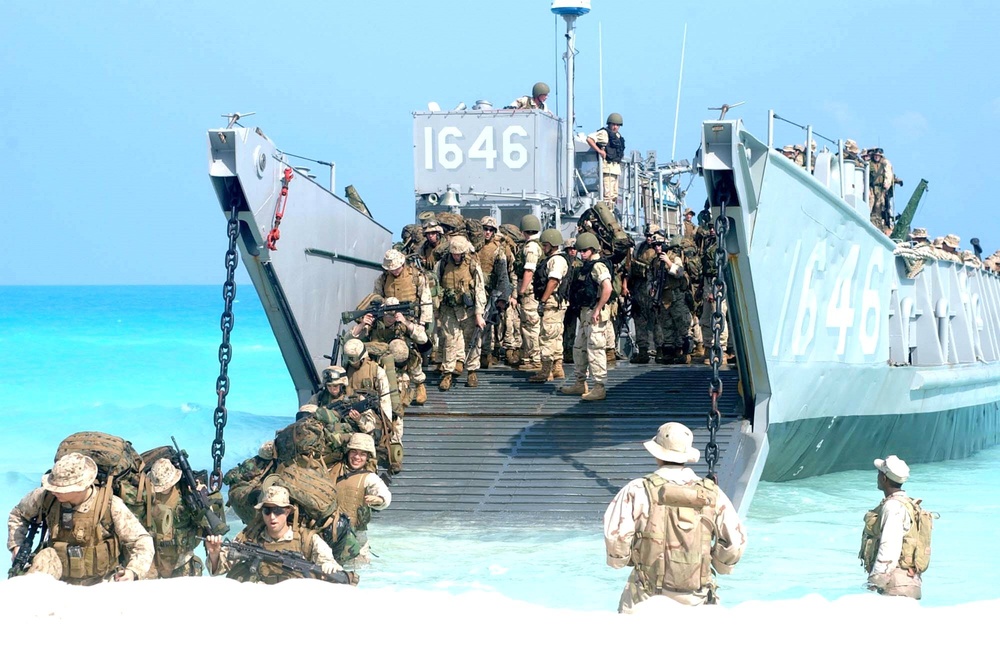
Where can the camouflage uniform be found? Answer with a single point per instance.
(463, 300)
(673, 317)
(589, 347)
(496, 259)
(642, 305)
(353, 485)
(174, 526)
(527, 102)
(553, 312)
(610, 171)
(880, 181)
(244, 481)
(412, 333)
(948, 251)
(531, 354)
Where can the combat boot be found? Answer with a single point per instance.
(472, 380)
(682, 357)
(698, 352)
(513, 357)
(611, 355)
(598, 393)
(544, 374)
(576, 389)
(640, 357)
(530, 366)
(420, 396)
(485, 360)
(445, 383)
(557, 369)
(661, 355)
(459, 367)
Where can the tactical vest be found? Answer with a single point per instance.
(364, 377)
(404, 286)
(85, 543)
(488, 256)
(673, 551)
(915, 555)
(876, 176)
(301, 543)
(174, 535)
(383, 333)
(351, 495)
(457, 282)
(522, 258)
(614, 151)
(541, 279)
(584, 290)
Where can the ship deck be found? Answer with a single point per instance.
(510, 450)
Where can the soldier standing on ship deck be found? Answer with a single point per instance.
(539, 94)
(551, 286)
(524, 268)
(880, 181)
(590, 292)
(610, 145)
(463, 304)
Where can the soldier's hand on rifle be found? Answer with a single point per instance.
(368, 320)
(400, 318)
(330, 568)
(663, 257)
(480, 321)
(354, 414)
(124, 575)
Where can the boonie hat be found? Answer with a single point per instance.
(689, 212)
(952, 241)
(673, 443)
(919, 233)
(362, 442)
(266, 450)
(893, 468)
(275, 496)
(74, 472)
(163, 475)
(393, 259)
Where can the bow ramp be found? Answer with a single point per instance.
(510, 450)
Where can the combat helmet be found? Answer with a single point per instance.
(540, 89)
(530, 223)
(334, 375)
(652, 229)
(399, 350)
(614, 118)
(552, 237)
(393, 259)
(355, 350)
(459, 245)
(588, 240)
(266, 450)
(489, 222)
(433, 226)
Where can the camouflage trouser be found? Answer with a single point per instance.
(610, 188)
(364, 557)
(609, 331)
(530, 328)
(511, 329)
(706, 322)
(193, 566)
(643, 317)
(876, 199)
(551, 331)
(457, 336)
(898, 583)
(634, 594)
(672, 324)
(415, 366)
(589, 347)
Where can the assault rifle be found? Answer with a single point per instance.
(289, 562)
(364, 404)
(378, 311)
(24, 549)
(195, 495)
(621, 322)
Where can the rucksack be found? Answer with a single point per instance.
(615, 242)
(918, 547)
(118, 465)
(413, 239)
(514, 234)
(306, 442)
(313, 491)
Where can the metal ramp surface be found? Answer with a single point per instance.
(510, 449)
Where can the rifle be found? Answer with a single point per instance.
(378, 311)
(194, 495)
(621, 321)
(24, 549)
(367, 402)
(659, 280)
(288, 561)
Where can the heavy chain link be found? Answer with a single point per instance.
(225, 351)
(716, 350)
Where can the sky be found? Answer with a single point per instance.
(104, 106)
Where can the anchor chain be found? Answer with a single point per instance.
(225, 351)
(716, 350)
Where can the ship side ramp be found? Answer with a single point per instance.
(510, 450)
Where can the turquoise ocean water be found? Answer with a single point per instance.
(141, 362)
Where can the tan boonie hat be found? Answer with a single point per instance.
(459, 245)
(893, 468)
(938, 242)
(689, 212)
(163, 475)
(952, 241)
(362, 442)
(275, 496)
(391, 300)
(851, 146)
(919, 233)
(393, 259)
(266, 450)
(673, 443)
(74, 472)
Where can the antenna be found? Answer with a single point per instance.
(570, 10)
(235, 117)
(600, 68)
(680, 79)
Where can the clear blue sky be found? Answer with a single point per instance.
(104, 105)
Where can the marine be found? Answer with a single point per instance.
(463, 306)
(496, 259)
(392, 326)
(524, 268)
(670, 287)
(359, 492)
(636, 285)
(551, 287)
(173, 525)
(539, 94)
(244, 481)
(610, 145)
(589, 294)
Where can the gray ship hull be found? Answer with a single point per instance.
(845, 359)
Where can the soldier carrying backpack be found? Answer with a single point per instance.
(896, 541)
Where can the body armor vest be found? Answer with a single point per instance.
(584, 290)
(403, 287)
(456, 281)
(383, 333)
(488, 256)
(173, 532)
(85, 543)
(541, 280)
(673, 551)
(301, 543)
(522, 258)
(351, 495)
(364, 377)
(615, 149)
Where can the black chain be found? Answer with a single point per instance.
(716, 350)
(225, 351)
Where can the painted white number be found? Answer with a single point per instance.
(515, 155)
(839, 313)
(449, 154)
(871, 305)
(482, 148)
(805, 317)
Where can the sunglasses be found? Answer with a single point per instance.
(273, 510)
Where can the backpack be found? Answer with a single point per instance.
(313, 491)
(514, 234)
(306, 442)
(413, 239)
(615, 242)
(118, 465)
(918, 546)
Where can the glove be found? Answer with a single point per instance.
(330, 568)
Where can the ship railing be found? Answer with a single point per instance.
(851, 175)
(651, 194)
